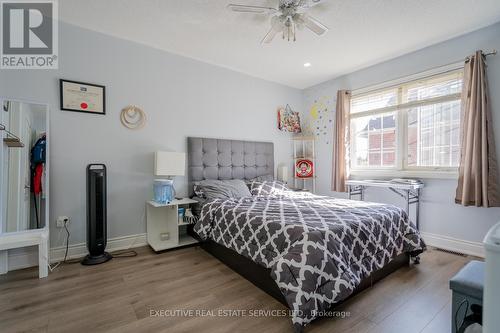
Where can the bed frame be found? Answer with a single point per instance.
(234, 159)
(261, 276)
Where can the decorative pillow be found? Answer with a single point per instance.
(198, 190)
(221, 189)
(267, 188)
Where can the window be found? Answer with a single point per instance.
(412, 126)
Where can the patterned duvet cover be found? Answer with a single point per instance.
(318, 248)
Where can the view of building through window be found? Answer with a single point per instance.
(375, 140)
(433, 135)
(410, 126)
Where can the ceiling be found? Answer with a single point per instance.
(361, 34)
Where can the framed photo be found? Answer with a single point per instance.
(82, 97)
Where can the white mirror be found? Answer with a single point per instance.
(23, 174)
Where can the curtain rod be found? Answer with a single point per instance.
(487, 54)
(493, 52)
(407, 78)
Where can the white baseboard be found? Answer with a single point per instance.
(28, 257)
(454, 244)
(4, 259)
(113, 244)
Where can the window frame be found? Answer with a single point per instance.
(401, 167)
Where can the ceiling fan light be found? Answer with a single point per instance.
(307, 64)
(286, 19)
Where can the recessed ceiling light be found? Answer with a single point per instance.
(307, 64)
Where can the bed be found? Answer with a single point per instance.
(309, 252)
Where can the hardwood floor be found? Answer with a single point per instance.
(121, 296)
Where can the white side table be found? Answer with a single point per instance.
(13, 240)
(164, 230)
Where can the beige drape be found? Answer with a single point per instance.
(340, 139)
(478, 172)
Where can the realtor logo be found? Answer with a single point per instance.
(29, 35)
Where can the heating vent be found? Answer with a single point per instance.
(452, 252)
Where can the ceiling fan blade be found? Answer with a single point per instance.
(314, 25)
(251, 9)
(309, 3)
(276, 27)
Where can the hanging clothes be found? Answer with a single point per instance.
(37, 179)
(37, 161)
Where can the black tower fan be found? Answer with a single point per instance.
(96, 215)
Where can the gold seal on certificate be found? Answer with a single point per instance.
(82, 97)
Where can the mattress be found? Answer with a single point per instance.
(318, 248)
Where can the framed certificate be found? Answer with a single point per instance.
(82, 97)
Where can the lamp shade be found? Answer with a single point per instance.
(283, 173)
(170, 163)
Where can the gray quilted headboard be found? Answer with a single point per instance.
(228, 159)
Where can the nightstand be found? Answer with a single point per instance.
(164, 230)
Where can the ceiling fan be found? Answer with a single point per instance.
(290, 15)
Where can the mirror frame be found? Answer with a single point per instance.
(47, 166)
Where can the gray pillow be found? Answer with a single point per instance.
(264, 178)
(221, 189)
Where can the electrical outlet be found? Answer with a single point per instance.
(61, 220)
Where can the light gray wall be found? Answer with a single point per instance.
(181, 97)
(439, 214)
(184, 97)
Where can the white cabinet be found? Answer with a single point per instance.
(164, 229)
(491, 319)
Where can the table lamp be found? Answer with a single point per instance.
(283, 173)
(169, 164)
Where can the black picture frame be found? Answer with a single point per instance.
(61, 96)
